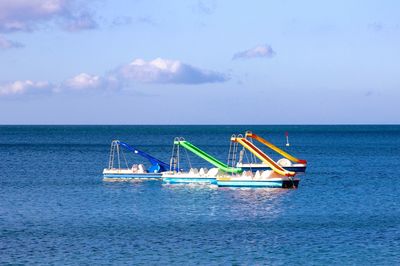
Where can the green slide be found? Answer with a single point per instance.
(208, 158)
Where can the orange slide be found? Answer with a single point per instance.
(273, 147)
(263, 157)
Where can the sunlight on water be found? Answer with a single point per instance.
(56, 209)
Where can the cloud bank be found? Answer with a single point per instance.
(26, 15)
(157, 71)
(258, 51)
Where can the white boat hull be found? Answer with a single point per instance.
(127, 174)
(298, 167)
(258, 183)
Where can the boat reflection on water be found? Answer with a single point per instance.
(241, 203)
(261, 202)
(190, 186)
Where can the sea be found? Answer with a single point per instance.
(55, 208)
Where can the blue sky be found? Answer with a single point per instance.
(199, 62)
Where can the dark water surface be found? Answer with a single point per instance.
(55, 208)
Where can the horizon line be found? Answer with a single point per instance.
(333, 124)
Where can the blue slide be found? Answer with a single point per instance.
(157, 166)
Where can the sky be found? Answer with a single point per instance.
(199, 62)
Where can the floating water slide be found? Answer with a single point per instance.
(273, 147)
(263, 157)
(156, 165)
(224, 167)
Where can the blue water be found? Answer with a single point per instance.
(55, 208)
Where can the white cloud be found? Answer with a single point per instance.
(167, 71)
(258, 51)
(24, 86)
(25, 15)
(7, 44)
(83, 81)
(139, 71)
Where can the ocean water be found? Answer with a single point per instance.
(55, 208)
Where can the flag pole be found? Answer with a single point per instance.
(287, 138)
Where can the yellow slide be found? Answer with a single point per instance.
(263, 157)
(273, 147)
